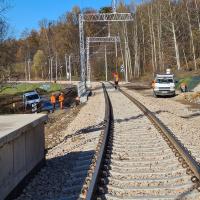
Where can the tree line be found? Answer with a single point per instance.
(163, 34)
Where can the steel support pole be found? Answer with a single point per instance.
(106, 63)
(51, 79)
(56, 66)
(49, 71)
(25, 70)
(88, 59)
(126, 61)
(66, 66)
(70, 69)
(82, 47)
(29, 70)
(116, 54)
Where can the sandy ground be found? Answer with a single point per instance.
(182, 119)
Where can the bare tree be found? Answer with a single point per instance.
(191, 35)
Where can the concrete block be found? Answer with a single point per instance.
(21, 148)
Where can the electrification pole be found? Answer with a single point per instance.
(70, 70)
(51, 70)
(116, 54)
(66, 66)
(82, 47)
(56, 66)
(29, 69)
(106, 63)
(25, 70)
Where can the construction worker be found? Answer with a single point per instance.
(53, 101)
(116, 80)
(183, 87)
(61, 100)
(153, 84)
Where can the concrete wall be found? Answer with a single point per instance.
(21, 149)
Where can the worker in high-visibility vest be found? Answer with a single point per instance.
(61, 100)
(183, 87)
(153, 84)
(116, 76)
(53, 101)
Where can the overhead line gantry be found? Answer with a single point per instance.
(97, 17)
(109, 39)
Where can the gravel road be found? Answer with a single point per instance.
(181, 119)
(67, 164)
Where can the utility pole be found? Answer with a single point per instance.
(70, 70)
(51, 70)
(25, 70)
(66, 66)
(29, 69)
(106, 63)
(56, 66)
(116, 53)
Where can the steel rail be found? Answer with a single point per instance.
(182, 150)
(91, 192)
(187, 160)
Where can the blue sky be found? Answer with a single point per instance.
(27, 13)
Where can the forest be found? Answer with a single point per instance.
(163, 34)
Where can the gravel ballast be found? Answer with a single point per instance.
(67, 163)
(182, 120)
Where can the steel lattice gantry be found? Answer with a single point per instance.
(110, 39)
(97, 17)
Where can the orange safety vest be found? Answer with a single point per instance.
(117, 78)
(53, 99)
(153, 83)
(61, 98)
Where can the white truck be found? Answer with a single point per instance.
(164, 85)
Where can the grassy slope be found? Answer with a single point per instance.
(23, 87)
(191, 78)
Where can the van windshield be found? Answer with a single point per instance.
(32, 97)
(164, 80)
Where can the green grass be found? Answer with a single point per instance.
(24, 87)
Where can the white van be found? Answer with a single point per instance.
(164, 85)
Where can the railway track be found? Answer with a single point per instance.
(139, 157)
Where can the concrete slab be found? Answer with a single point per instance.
(21, 149)
(13, 125)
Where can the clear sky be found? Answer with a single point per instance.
(27, 13)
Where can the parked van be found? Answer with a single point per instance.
(164, 85)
